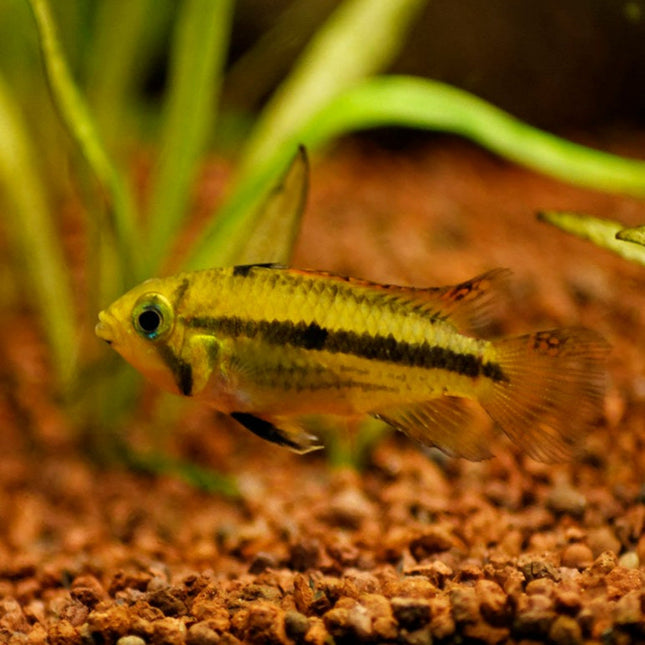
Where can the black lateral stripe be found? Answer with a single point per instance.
(382, 348)
(181, 370)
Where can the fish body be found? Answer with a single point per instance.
(269, 345)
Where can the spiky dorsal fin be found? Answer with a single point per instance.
(470, 305)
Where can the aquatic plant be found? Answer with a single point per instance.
(628, 242)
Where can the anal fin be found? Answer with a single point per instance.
(457, 426)
(284, 432)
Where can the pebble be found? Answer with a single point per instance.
(418, 637)
(304, 555)
(603, 539)
(566, 499)
(112, 621)
(493, 602)
(37, 636)
(533, 568)
(63, 633)
(88, 591)
(567, 601)
(12, 617)
(168, 631)
(259, 622)
(628, 609)
(433, 540)
(384, 626)
(604, 563)
(442, 623)
(411, 613)
(349, 508)
(481, 632)
(565, 631)
(261, 562)
(540, 586)
(620, 581)
(202, 633)
(130, 640)
(168, 600)
(465, 604)
(629, 560)
(296, 625)
(348, 620)
(577, 556)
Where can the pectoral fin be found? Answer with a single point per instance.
(289, 433)
(457, 426)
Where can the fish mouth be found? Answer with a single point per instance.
(103, 329)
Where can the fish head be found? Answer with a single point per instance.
(142, 326)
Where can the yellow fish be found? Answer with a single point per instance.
(268, 345)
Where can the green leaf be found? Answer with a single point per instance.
(124, 38)
(36, 241)
(601, 232)
(80, 124)
(260, 68)
(420, 103)
(360, 38)
(417, 103)
(198, 55)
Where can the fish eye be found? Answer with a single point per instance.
(152, 316)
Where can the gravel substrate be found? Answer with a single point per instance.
(408, 552)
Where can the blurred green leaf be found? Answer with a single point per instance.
(77, 118)
(601, 232)
(125, 36)
(417, 103)
(198, 54)
(36, 240)
(260, 68)
(420, 103)
(360, 38)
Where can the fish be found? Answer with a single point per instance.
(270, 345)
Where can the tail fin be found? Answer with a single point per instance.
(553, 389)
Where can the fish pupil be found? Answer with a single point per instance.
(149, 321)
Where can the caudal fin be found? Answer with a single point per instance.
(552, 389)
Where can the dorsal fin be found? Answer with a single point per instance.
(244, 269)
(470, 305)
